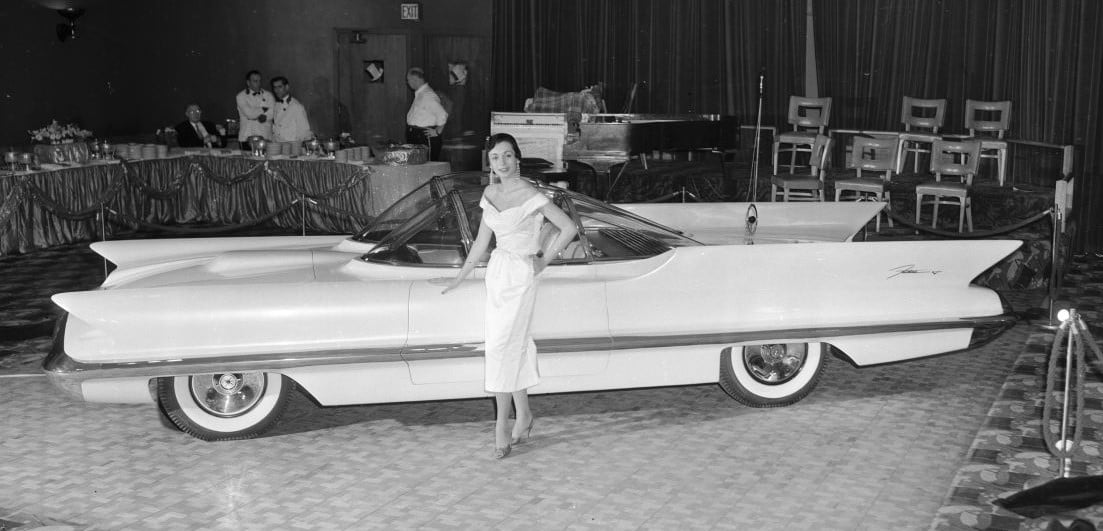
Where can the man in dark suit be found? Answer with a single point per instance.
(196, 132)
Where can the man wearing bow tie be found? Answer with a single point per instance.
(254, 106)
(289, 122)
(195, 131)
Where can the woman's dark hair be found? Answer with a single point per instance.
(498, 138)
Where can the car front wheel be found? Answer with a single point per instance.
(771, 375)
(224, 406)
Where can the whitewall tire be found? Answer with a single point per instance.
(224, 406)
(771, 375)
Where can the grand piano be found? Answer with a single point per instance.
(605, 140)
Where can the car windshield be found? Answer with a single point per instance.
(417, 201)
(425, 227)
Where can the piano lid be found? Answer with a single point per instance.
(645, 118)
(642, 133)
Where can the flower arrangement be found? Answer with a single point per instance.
(56, 133)
(346, 140)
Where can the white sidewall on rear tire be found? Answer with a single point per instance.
(181, 388)
(800, 381)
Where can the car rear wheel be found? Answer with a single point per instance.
(224, 406)
(771, 375)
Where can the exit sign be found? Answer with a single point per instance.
(411, 11)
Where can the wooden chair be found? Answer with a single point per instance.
(956, 161)
(988, 121)
(922, 119)
(809, 118)
(801, 187)
(872, 155)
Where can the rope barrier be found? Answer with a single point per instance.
(1092, 344)
(206, 230)
(348, 184)
(968, 235)
(160, 194)
(1064, 450)
(227, 181)
(57, 209)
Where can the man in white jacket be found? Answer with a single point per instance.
(289, 123)
(254, 105)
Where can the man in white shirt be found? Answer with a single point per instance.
(426, 118)
(253, 105)
(289, 122)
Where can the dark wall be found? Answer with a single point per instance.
(44, 79)
(137, 63)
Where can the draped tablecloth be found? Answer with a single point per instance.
(44, 209)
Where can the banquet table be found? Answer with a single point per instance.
(42, 209)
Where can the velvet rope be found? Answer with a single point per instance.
(133, 221)
(348, 184)
(264, 168)
(969, 235)
(1072, 328)
(1093, 345)
(162, 194)
(57, 209)
(258, 169)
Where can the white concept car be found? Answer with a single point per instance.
(219, 331)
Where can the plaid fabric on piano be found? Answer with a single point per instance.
(571, 102)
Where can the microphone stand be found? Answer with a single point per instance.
(757, 143)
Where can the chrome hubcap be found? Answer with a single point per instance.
(228, 394)
(775, 363)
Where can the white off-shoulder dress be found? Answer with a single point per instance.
(511, 295)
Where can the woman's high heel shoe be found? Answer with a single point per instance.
(525, 435)
(501, 453)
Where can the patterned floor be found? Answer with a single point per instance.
(908, 446)
(1009, 454)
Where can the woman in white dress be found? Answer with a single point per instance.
(513, 212)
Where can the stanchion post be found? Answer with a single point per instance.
(302, 207)
(103, 236)
(1057, 216)
(1064, 464)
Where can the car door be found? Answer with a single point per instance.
(570, 326)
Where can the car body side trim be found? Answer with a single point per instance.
(59, 366)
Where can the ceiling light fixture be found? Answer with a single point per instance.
(68, 30)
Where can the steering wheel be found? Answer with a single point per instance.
(405, 254)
